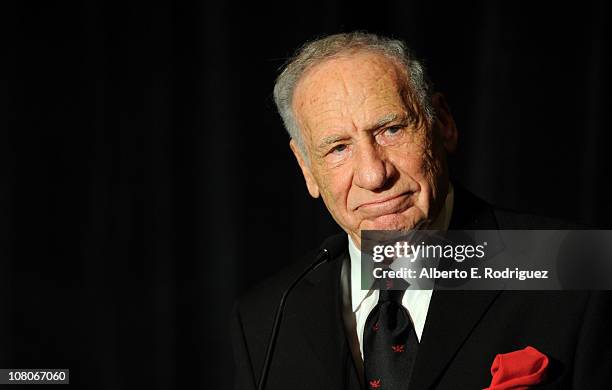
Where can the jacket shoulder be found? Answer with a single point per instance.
(511, 219)
(472, 212)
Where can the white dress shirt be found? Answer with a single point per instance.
(358, 303)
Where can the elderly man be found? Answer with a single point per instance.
(371, 138)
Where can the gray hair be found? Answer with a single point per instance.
(317, 51)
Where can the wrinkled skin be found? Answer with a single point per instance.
(370, 152)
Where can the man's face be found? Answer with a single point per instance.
(373, 157)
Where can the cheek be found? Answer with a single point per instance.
(335, 187)
(414, 162)
(423, 167)
(423, 162)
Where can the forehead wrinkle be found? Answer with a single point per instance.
(304, 98)
(383, 109)
(383, 92)
(334, 96)
(332, 122)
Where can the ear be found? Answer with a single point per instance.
(313, 187)
(445, 123)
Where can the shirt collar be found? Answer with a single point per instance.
(441, 222)
(357, 294)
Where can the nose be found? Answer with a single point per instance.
(370, 170)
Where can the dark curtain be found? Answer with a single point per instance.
(147, 180)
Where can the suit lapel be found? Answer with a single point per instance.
(452, 315)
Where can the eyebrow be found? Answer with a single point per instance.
(383, 121)
(332, 139)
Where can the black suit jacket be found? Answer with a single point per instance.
(463, 333)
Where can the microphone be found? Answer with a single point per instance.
(330, 249)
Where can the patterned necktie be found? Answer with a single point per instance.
(389, 344)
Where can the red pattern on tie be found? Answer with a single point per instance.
(398, 348)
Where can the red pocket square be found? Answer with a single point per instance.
(518, 370)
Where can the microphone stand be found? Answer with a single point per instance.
(322, 257)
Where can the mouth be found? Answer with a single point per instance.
(390, 205)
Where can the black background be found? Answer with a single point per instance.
(147, 180)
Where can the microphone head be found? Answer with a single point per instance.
(335, 245)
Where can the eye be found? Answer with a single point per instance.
(391, 135)
(393, 130)
(338, 149)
